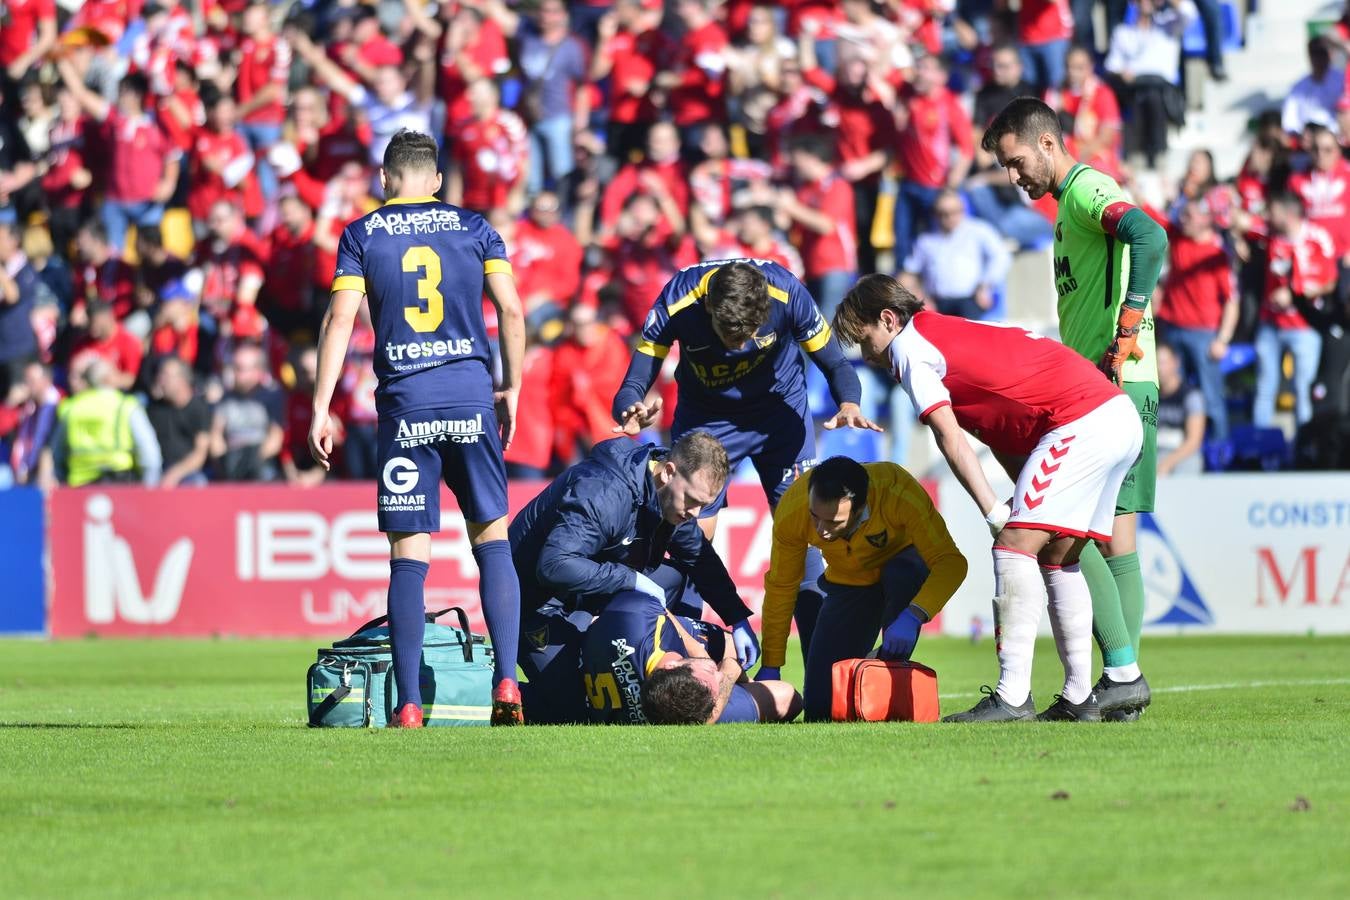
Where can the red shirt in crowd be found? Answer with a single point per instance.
(800, 113)
(863, 124)
(489, 55)
(584, 379)
(224, 270)
(121, 349)
(491, 155)
(182, 132)
(636, 58)
(220, 168)
(262, 63)
(729, 246)
(702, 62)
(642, 268)
(291, 270)
(1326, 196)
(168, 340)
(1092, 109)
(1043, 21)
(113, 283)
(1304, 263)
(547, 262)
(66, 156)
(714, 183)
(628, 182)
(533, 443)
(21, 21)
(836, 251)
(1199, 282)
(936, 122)
(138, 152)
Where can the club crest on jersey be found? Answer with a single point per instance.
(440, 431)
(766, 341)
(427, 221)
(878, 540)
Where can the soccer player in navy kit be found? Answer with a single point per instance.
(424, 266)
(741, 378)
(642, 664)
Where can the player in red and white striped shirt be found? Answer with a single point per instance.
(1067, 437)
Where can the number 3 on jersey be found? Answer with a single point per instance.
(423, 259)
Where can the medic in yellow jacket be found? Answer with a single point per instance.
(863, 518)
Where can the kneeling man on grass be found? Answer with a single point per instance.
(624, 519)
(890, 566)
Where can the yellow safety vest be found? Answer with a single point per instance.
(98, 434)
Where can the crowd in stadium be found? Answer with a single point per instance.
(174, 179)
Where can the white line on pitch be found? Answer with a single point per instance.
(1230, 686)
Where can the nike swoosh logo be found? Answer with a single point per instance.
(697, 349)
(626, 541)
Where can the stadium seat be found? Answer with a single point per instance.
(1265, 447)
(176, 227)
(1238, 357)
(1193, 39)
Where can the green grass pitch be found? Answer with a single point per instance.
(182, 768)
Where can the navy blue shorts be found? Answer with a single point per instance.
(416, 450)
(741, 707)
(780, 450)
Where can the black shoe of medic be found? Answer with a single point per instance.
(1064, 711)
(1115, 696)
(994, 708)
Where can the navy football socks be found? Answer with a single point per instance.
(500, 592)
(407, 626)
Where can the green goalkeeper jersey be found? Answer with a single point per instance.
(1092, 269)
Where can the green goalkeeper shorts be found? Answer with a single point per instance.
(1136, 494)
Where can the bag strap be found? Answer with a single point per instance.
(431, 617)
(316, 715)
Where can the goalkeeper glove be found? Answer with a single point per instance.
(899, 638)
(1125, 346)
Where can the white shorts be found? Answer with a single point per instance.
(1070, 481)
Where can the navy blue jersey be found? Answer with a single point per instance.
(421, 263)
(766, 372)
(620, 649)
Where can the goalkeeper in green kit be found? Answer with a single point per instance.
(1108, 254)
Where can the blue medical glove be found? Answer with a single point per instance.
(649, 587)
(747, 645)
(768, 673)
(899, 638)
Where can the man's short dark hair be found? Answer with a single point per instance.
(699, 451)
(863, 304)
(137, 84)
(839, 478)
(94, 228)
(738, 299)
(1289, 200)
(410, 151)
(1025, 117)
(817, 145)
(150, 235)
(675, 697)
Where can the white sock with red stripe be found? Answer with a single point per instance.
(1071, 621)
(1019, 597)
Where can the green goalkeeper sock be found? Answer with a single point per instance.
(1129, 579)
(1108, 621)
